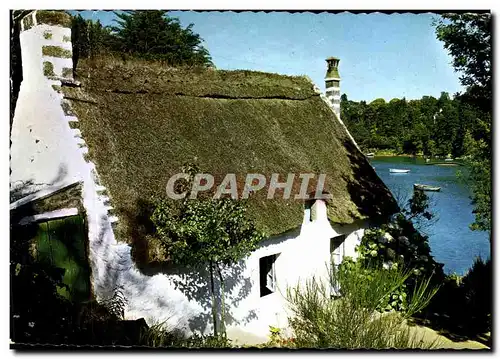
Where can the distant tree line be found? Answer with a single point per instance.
(458, 126)
(147, 34)
(428, 126)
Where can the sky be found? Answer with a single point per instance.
(381, 56)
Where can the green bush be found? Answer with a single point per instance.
(351, 321)
(398, 244)
(463, 304)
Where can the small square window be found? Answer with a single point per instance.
(337, 245)
(267, 272)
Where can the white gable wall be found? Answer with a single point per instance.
(302, 255)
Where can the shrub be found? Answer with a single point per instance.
(463, 304)
(399, 244)
(351, 321)
(160, 336)
(477, 285)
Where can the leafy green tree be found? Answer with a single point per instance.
(467, 37)
(478, 177)
(200, 232)
(154, 35)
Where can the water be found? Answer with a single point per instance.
(452, 242)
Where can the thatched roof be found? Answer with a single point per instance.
(143, 122)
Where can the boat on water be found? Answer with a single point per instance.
(448, 159)
(370, 154)
(397, 170)
(426, 187)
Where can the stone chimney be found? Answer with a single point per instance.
(43, 149)
(332, 84)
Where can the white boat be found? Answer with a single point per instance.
(397, 170)
(448, 159)
(370, 154)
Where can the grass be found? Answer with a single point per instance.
(56, 51)
(148, 120)
(47, 35)
(159, 336)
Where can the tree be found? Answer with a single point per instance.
(205, 231)
(479, 179)
(89, 39)
(153, 34)
(467, 37)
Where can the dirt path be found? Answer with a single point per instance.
(429, 335)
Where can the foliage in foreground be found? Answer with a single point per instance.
(463, 305)
(157, 336)
(399, 244)
(41, 315)
(351, 321)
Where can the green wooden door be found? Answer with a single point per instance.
(61, 243)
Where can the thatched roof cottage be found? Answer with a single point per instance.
(120, 134)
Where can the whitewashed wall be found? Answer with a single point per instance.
(46, 151)
(302, 254)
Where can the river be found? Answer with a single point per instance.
(452, 242)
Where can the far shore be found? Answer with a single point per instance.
(394, 155)
(433, 159)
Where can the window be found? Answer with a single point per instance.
(267, 271)
(337, 254)
(308, 209)
(337, 248)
